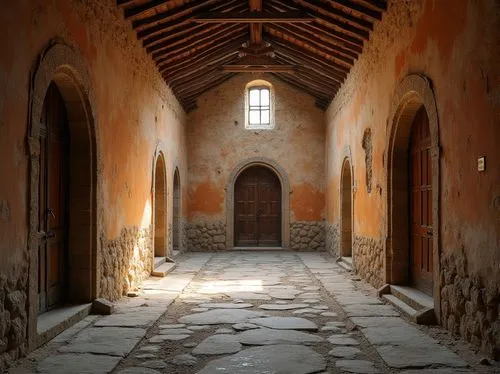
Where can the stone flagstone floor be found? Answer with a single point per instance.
(250, 313)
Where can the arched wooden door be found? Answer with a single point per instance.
(160, 217)
(346, 208)
(53, 200)
(257, 208)
(421, 229)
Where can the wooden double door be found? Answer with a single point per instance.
(257, 208)
(421, 228)
(53, 201)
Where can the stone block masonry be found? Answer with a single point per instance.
(13, 317)
(307, 236)
(332, 238)
(208, 236)
(469, 306)
(126, 261)
(369, 259)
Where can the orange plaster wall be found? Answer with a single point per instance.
(218, 142)
(454, 47)
(135, 113)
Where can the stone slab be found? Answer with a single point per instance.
(139, 370)
(379, 322)
(137, 317)
(265, 336)
(168, 338)
(357, 366)
(184, 360)
(113, 341)
(72, 363)
(217, 345)
(342, 339)
(244, 326)
(219, 316)
(226, 305)
(412, 356)
(344, 352)
(367, 310)
(289, 359)
(282, 306)
(292, 323)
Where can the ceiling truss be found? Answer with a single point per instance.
(308, 44)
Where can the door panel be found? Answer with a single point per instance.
(421, 230)
(257, 208)
(53, 201)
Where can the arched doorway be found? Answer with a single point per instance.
(61, 88)
(420, 200)
(412, 245)
(346, 212)
(257, 208)
(53, 190)
(177, 211)
(159, 203)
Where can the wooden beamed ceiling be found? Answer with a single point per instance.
(308, 44)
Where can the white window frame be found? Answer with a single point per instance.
(259, 84)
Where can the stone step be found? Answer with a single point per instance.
(413, 297)
(345, 263)
(163, 269)
(420, 316)
(158, 261)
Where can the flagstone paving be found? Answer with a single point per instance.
(248, 313)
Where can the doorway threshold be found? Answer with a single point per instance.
(53, 322)
(345, 262)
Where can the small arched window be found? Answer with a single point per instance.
(259, 105)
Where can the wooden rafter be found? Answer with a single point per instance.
(254, 17)
(198, 44)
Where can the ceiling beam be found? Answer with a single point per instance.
(205, 56)
(254, 17)
(287, 69)
(174, 13)
(179, 26)
(340, 61)
(312, 59)
(188, 47)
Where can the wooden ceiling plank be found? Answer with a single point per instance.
(199, 83)
(201, 70)
(332, 12)
(203, 57)
(124, 3)
(187, 8)
(143, 8)
(320, 20)
(334, 79)
(288, 80)
(198, 93)
(195, 33)
(306, 55)
(254, 17)
(319, 8)
(375, 14)
(183, 23)
(306, 35)
(338, 58)
(222, 32)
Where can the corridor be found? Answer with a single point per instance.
(245, 312)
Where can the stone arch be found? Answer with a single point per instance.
(177, 211)
(65, 67)
(346, 208)
(285, 197)
(159, 205)
(413, 92)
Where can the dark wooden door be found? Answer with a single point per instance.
(53, 189)
(257, 209)
(421, 230)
